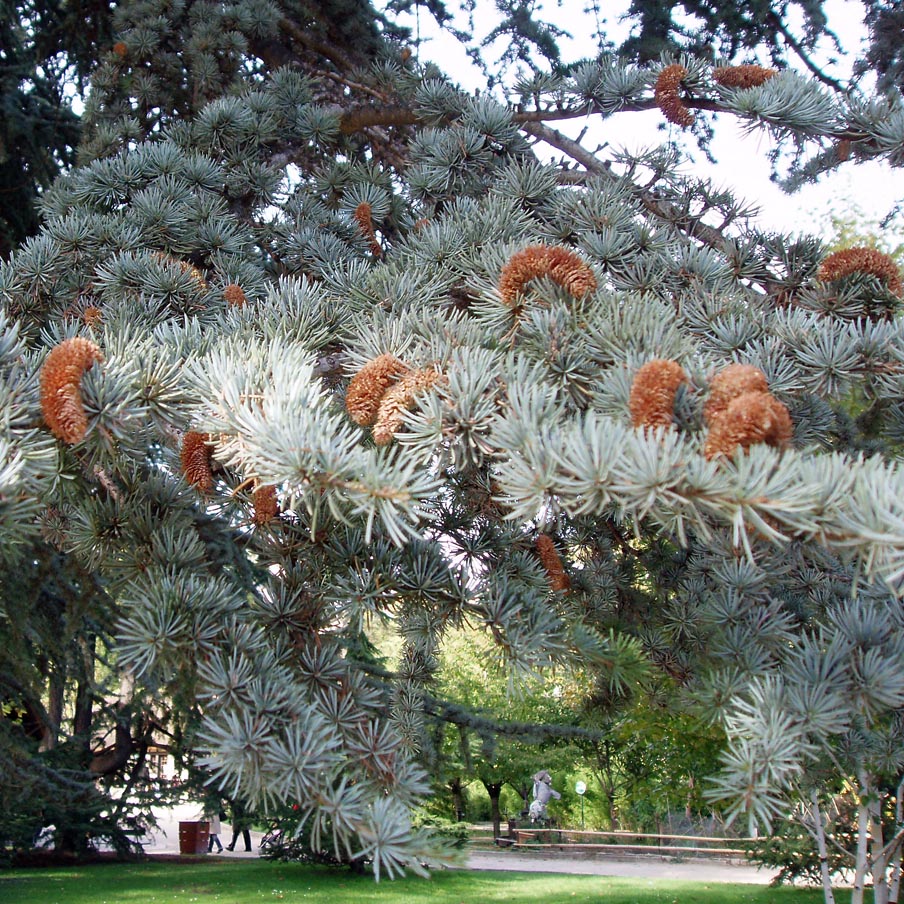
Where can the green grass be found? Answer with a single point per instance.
(243, 881)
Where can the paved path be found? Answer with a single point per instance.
(166, 841)
(642, 867)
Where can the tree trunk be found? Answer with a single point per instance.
(688, 811)
(860, 864)
(613, 811)
(878, 856)
(114, 758)
(458, 800)
(607, 780)
(54, 710)
(135, 773)
(819, 832)
(525, 792)
(83, 715)
(894, 885)
(494, 789)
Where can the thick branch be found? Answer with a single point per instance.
(112, 759)
(457, 715)
(465, 717)
(309, 40)
(365, 117)
(638, 106)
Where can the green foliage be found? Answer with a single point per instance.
(654, 764)
(712, 26)
(850, 227)
(47, 45)
(791, 851)
(55, 621)
(162, 59)
(287, 840)
(884, 19)
(54, 793)
(455, 834)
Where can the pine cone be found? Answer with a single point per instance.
(552, 563)
(667, 97)
(362, 400)
(754, 417)
(728, 384)
(746, 76)
(234, 295)
(565, 267)
(61, 398)
(653, 391)
(195, 458)
(92, 316)
(399, 399)
(862, 260)
(266, 504)
(364, 217)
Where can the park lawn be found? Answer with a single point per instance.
(241, 881)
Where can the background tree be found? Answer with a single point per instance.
(76, 733)
(46, 48)
(886, 24)
(51, 46)
(506, 734)
(652, 759)
(65, 729)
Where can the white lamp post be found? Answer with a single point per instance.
(580, 788)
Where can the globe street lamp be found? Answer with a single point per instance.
(580, 788)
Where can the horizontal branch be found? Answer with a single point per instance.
(692, 226)
(391, 115)
(468, 718)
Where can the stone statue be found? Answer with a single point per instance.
(543, 791)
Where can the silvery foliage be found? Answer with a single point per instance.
(754, 557)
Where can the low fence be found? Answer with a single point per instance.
(622, 842)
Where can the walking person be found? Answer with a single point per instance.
(241, 823)
(213, 818)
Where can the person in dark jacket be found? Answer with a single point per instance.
(241, 823)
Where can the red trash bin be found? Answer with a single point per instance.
(193, 837)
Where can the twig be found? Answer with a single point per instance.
(357, 86)
(708, 235)
(795, 45)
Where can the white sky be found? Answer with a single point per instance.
(743, 164)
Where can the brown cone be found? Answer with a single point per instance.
(754, 417)
(60, 382)
(399, 399)
(652, 400)
(195, 457)
(728, 384)
(362, 400)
